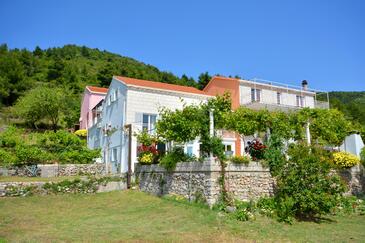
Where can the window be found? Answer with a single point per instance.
(109, 101)
(255, 95)
(115, 95)
(300, 101)
(228, 150)
(114, 154)
(278, 98)
(149, 123)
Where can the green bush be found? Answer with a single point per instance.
(60, 141)
(177, 155)
(7, 158)
(81, 156)
(363, 156)
(30, 154)
(274, 154)
(306, 188)
(10, 137)
(240, 160)
(20, 148)
(244, 211)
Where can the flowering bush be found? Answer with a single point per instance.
(147, 151)
(81, 133)
(146, 158)
(345, 160)
(257, 150)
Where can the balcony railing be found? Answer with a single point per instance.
(321, 104)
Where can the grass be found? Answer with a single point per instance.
(136, 216)
(31, 179)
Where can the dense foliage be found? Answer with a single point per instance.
(306, 188)
(53, 106)
(352, 104)
(20, 148)
(176, 155)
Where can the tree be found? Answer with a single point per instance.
(38, 52)
(203, 80)
(305, 186)
(42, 104)
(243, 120)
(328, 127)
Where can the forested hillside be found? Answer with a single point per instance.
(352, 104)
(72, 67)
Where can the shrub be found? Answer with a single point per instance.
(274, 154)
(10, 137)
(7, 158)
(345, 160)
(240, 160)
(244, 211)
(363, 156)
(60, 141)
(28, 155)
(306, 188)
(177, 155)
(80, 156)
(266, 206)
(81, 133)
(257, 150)
(145, 158)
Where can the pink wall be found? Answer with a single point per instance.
(89, 101)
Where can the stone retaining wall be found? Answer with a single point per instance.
(54, 170)
(21, 188)
(355, 179)
(196, 179)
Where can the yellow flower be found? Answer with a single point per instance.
(146, 158)
(345, 160)
(81, 133)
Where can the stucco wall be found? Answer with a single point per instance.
(145, 101)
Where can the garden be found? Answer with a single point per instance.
(19, 147)
(306, 167)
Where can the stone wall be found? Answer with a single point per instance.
(54, 170)
(14, 189)
(196, 179)
(355, 179)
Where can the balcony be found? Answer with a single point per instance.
(321, 104)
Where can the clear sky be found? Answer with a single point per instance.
(322, 41)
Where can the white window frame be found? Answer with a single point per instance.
(300, 101)
(150, 129)
(256, 95)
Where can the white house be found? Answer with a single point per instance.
(136, 102)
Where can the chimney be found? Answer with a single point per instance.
(304, 85)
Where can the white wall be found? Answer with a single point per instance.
(148, 101)
(269, 96)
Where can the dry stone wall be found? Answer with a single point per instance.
(193, 179)
(54, 170)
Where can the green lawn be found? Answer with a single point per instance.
(133, 215)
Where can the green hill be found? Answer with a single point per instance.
(352, 104)
(70, 66)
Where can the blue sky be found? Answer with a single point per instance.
(284, 41)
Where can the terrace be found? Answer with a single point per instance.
(278, 96)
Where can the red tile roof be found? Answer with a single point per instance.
(97, 89)
(159, 85)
